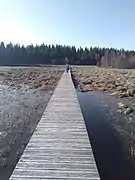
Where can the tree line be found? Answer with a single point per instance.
(57, 54)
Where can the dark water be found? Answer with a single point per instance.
(112, 160)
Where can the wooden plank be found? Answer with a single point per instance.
(59, 148)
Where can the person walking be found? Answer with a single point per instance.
(67, 68)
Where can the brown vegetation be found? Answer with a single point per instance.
(32, 78)
(120, 83)
(116, 82)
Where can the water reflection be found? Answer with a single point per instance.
(112, 160)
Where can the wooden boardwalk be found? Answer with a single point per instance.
(59, 148)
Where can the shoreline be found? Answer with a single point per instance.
(89, 79)
(24, 95)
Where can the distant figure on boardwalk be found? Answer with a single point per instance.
(67, 67)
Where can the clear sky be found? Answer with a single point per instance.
(109, 23)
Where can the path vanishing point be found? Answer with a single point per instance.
(59, 148)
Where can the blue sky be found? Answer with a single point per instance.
(109, 23)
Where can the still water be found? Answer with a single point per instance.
(112, 160)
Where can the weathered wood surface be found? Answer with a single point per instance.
(59, 148)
